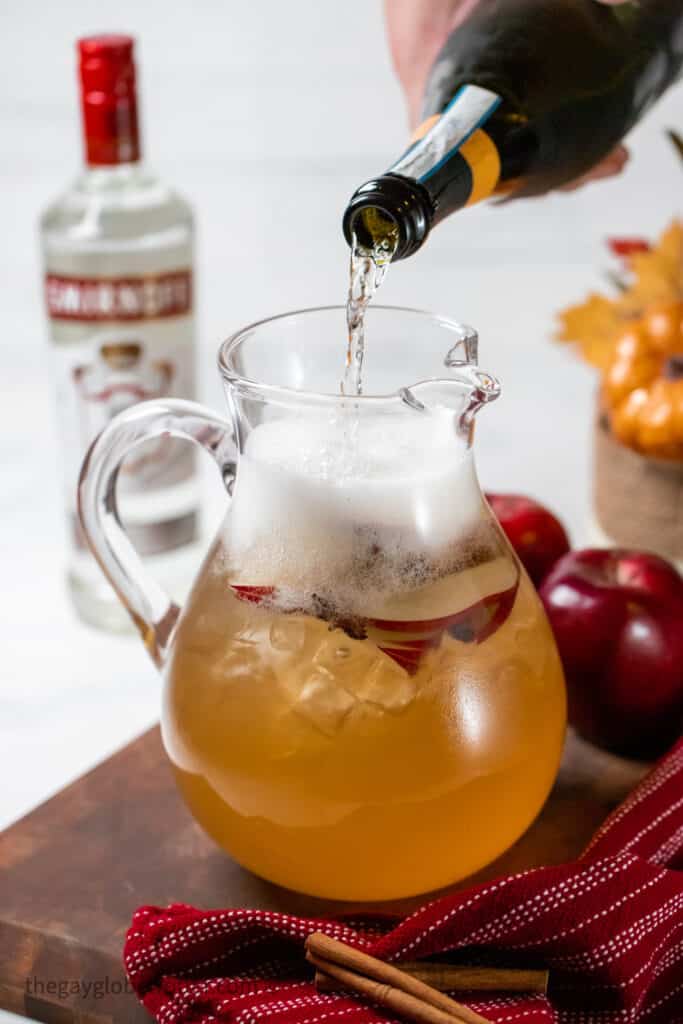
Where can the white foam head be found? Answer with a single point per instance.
(311, 492)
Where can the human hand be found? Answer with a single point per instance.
(417, 29)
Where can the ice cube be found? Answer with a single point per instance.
(288, 634)
(237, 666)
(338, 654)
(251, 634)
(384, 684)
(323, 702)
(366, 673)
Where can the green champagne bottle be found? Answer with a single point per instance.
(525, 96)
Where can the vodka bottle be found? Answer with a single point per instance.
(117, 256)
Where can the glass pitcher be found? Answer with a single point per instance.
(363, 699)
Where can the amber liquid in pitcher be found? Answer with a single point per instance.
(367, 715)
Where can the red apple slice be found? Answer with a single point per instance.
(472, 625)
(406, 641)
(410, 653)
(255, 595)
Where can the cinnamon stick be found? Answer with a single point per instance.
(397, 1000)
(360, 973)
(447, 978)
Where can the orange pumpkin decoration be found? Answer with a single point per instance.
(643, 383)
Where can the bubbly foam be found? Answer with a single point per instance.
(310, 509)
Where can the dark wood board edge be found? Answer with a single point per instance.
(58, 981)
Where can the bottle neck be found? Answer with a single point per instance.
(452, 162)
(109, 103)
(111, 134)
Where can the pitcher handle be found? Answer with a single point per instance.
(154, 614)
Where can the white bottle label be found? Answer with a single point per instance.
(140, 347)
(470, 108)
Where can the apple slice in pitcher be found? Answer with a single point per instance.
(471, 619)
(450, 605)
(255, 595)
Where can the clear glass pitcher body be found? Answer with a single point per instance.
(362, 696)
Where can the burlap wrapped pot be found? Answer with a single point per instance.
(638, 500)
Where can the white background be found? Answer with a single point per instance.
(266, 115)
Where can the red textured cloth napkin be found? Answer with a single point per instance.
(609, 926)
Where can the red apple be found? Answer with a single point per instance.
(535, 533)
(618, 621)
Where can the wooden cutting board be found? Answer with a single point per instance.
(73, 871)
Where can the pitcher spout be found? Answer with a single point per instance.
(463, 392)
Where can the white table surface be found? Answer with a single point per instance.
(255, 112)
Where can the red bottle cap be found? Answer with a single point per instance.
(109, 101)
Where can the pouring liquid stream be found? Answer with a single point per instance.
(368, 267)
